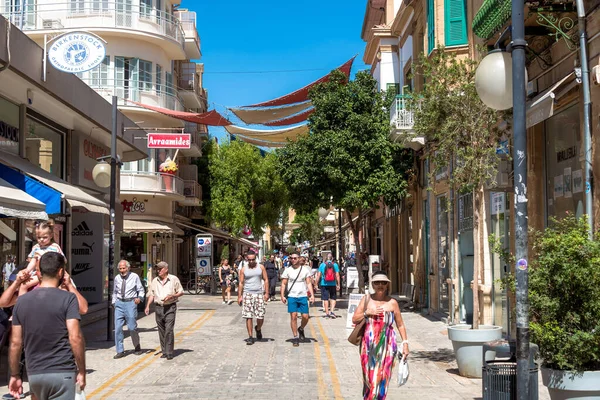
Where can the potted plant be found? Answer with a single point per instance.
(564, 295)
(461, 137)
(168, 169)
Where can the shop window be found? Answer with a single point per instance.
(443, 260)
(9, 126)
(43, 146)
(8, 240)
(145, 75)
(564, 165)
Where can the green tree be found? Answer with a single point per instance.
(246, 189)
(461, 136)
(347, 159)
(310, 228)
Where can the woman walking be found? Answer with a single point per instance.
(225, 277)
(378, 347)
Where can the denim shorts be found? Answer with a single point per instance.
(298, 304)
(328, 293)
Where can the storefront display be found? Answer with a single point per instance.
(43, 146)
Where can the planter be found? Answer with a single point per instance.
(563, 385)
(468, 347)
(167, 181)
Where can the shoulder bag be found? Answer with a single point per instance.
(359, 329)
(287, 290)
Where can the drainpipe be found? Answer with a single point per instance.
(587, 105)
(5, 66)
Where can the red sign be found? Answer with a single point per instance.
(169, 140)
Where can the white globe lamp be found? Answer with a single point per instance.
(323, 213)
(493, 80)
(101, 174)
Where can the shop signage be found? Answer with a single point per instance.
(169, 140)
(134, 206)
(76, 52)
(9, 132)
(84, 159)
(87, 254)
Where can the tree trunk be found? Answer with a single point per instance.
(356, 227)
(477, 242)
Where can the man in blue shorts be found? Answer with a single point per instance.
(297, 282)
(329, 281)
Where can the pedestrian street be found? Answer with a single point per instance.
(212, 360)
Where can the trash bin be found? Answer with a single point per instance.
(499, 377)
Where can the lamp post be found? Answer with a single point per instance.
(497, 64)
(323, 213)
(105, 175)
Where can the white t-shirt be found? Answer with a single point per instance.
(299, 289)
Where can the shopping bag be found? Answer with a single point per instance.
(402, 370)
(79, 393)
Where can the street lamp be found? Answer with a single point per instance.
(105, 175)
(496, 67)
(323, 213)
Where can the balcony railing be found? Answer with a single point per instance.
(151, 182)
(77, 14)
(141, 91)
(188, 23)
(192, 189)
(402, 118)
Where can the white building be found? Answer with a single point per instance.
(149, 45)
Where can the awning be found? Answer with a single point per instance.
(249, 242)
(50, 197)
(257, 142)
(275, 135)
(294, 119)
(211, 118)
(137, 226)
(542, 106)
(68, 191)
(8, 232)
(17, 203)
(266, 115)
(217, 233)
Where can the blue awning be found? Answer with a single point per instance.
(50, 197)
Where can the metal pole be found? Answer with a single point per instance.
(587, 108)
(111, 234)
(341, 243)
(520, 205)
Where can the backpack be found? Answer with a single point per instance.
(329, 272)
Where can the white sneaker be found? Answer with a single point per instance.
(224, 302)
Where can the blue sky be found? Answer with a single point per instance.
(270, 35)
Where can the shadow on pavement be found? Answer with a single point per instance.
(264, 340)
(178, 352)
(439, 355)
(307, 340)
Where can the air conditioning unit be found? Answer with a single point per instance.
(52, 24)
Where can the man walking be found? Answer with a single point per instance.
(296, 280)
(46, 323)
(252, 294)
(127, 294)
(7, 270)
(165, 291)
(272, 273)
(329, 281)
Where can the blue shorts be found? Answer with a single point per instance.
(298, 304)
(328, 293)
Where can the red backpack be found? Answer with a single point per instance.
(329, 272)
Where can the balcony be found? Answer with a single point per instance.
(192, 39)
(195, 149)
(143, 92)
(402, 121)
(191, 86)
(116, 18)
(152, 182)
(192, 192)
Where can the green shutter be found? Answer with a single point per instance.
(430, 25)
(455, 22)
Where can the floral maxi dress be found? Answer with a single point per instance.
(377, 355)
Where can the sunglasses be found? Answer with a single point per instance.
(294, 258)
(380, 283)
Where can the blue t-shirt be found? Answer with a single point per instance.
(322, 269)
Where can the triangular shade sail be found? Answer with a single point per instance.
(277, 135)
(211, 118)
(261, 143)
(294, 119)
(265, 115)
(302, 94)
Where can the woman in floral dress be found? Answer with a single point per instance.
(379, 347)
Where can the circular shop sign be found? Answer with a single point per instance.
(76, 52)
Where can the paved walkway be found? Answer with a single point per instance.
(212, 360)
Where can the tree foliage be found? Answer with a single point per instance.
(246, 189)
(310, 228)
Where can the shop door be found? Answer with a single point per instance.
(466, 251)
(426, 249)
(499, 216)
(443, 263)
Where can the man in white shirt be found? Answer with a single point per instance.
(298, 283)
(7, 270)
(128, 292)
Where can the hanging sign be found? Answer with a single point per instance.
(204, 245)
(169, 141)
(76, 52)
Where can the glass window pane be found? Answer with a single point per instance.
(43, 147)
(9, 126)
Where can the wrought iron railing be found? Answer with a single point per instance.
(402, 118)
(192, 189)
(138, 181)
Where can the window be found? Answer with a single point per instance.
(146, 8)
(393, 87)
(430, 25)
(169, 82)
(43, 146)
(99, 5)
(158, 78)
(77, 6)
(455, 24)
(127, 78)
(99, 75)
(145, 77)
(442, 253)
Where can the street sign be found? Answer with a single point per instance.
(169, 140)
(203, 267)
(76, 52)
(204, 243)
